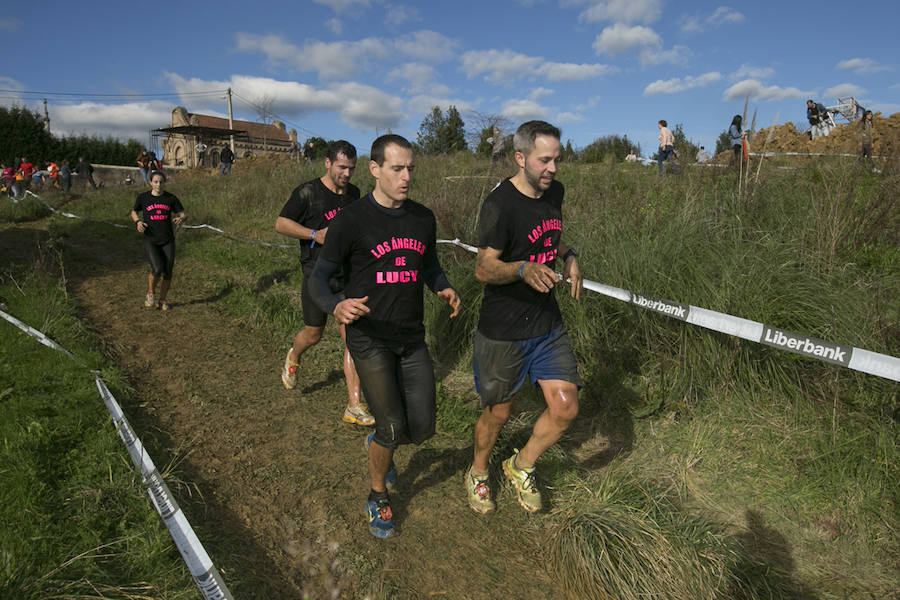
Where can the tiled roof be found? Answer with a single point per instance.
(254, 130)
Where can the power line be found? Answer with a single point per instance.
(257, 107)
(102, 95)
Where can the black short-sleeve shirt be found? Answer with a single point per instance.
(157, 215)
(521, 228)
(313, 205)
(384, 253)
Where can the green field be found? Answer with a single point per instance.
(701, 466)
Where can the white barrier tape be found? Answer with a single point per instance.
(38, 335)
(242, 239)
(851, 357)
(70, 215)
(201, 567)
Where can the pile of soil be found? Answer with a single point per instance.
(842, 140)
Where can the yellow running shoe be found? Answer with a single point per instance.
(523, 480)
(359, 415)
(289, 372)
(478, 489)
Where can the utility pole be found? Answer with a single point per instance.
(46, 117)
(230, 119)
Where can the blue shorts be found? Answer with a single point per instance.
(501, 367)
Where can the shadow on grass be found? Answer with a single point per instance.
(267, 281)
(769, 567)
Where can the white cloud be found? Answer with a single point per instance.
(523, 110)
(844, 89)
(623, 11)
(540, 92)
(346, 59)
(885, 108)
(862, 66)
(427, 45)
(334, 26)
(723, 15)
(122, 121)
(8, 83)
(757, 90)
(679, 84)
(589, 104)
(677, 55)
(360, 106)
(421, 78)
(344, 6)
(896, 86)
(398, 15)
(555, 71)
(10, 24)
(750, 72)
(568, 117)
(499, 66)
(619, 38)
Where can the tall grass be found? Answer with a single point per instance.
(751, 471)
(74, 521)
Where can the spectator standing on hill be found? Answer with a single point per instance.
(520, 330)
(631, 157)
(387, 244)
(143, 163)
(9, 179)
(65, 176)
(158, 207)
(498, 145)
(308, 151)
(666, 147)
(865, 134)
(86, 170)
(226, 158)
(53, 173)
(201, 153)
(819, 120)
(736, 137)
(307, 216)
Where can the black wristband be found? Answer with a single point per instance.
(569, 252)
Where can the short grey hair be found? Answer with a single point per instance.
(528, 132)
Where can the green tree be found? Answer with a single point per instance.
(615, 145)
(439, 134)
(22, 133)
(723, 142)
(684, 148)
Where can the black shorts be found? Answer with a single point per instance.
(162, 257)
(398, 382)
(500, 367)
(312, 314)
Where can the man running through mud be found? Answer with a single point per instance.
(386, 244)
(520, 330)
(306, 216)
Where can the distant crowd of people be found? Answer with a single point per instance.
(22, 175)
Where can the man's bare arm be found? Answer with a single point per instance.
(490, 269)
(295, 230)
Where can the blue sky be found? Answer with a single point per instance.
(351, 68)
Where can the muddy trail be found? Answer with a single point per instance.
(272, 480)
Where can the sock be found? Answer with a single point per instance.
(478, 474)
(518, 465)
(377, 496)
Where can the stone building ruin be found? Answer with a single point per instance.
(179, 144)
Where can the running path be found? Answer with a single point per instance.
(281, 480)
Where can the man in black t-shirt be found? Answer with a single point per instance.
(306, 216)
(385, 244)
(520, 331)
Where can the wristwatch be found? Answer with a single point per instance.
(569, 252)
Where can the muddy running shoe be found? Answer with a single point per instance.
(523, 480)
(289, 372)
(390, 480)
(150, 301)
(163, 305)
(479, 492)
(381, 519)
(358, 415)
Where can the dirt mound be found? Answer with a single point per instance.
(843, 140)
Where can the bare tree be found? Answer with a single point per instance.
(263, 105)
(481, 126)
